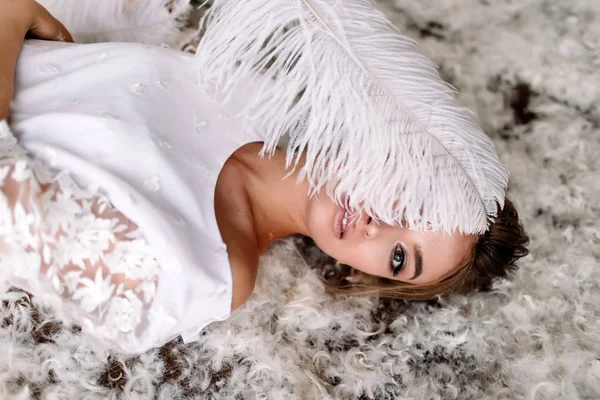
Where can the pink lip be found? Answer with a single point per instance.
(351, 224)
(338, 223)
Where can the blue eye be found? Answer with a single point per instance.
(397, 260)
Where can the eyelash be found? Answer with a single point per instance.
(397, 250)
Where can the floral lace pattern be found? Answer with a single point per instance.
(55, 235)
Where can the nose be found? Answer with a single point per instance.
(372, 228)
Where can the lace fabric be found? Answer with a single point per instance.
(73, 249)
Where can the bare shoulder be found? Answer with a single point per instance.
(235, 224)
(244, 268)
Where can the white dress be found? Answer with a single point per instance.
(115, 157)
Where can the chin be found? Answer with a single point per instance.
(321, 212)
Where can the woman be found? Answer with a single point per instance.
(137, 205)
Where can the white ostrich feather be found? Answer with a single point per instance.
(372, 114)
(144, 21)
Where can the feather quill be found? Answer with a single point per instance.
(372, 115)
(144, 21)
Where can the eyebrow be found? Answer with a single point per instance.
(418, 262)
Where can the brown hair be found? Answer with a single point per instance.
(493, 256)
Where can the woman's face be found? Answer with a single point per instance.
(387, 251)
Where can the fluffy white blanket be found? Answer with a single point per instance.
(530, 70)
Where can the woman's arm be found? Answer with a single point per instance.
(18, 19)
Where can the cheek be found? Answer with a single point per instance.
(369, 256)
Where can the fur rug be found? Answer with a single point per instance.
(531, 70)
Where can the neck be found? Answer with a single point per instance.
(278, 206)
